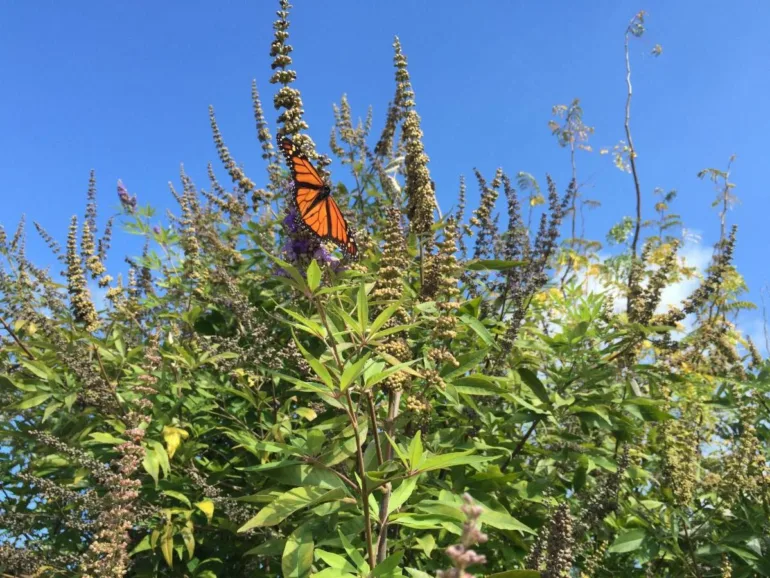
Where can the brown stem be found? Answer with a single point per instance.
(373, 426)
(520, 445)
(632, 150)
(362, 474)
(101, 367)
(394, 400)
(573, 210)
(691, 550)
(15, 337)
(340, 475)
(354, 424)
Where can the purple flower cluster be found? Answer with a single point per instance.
(127, 201)
(302, 245)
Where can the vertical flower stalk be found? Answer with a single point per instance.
(461, 553)
(244, 185)
(288, 99)
(80, 298)
(126, 201)
(266, 141)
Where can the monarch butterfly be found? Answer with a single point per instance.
(315, 205)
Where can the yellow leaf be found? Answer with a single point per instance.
(307, 413)
(173, 437)
(167, 544)
(207, 507)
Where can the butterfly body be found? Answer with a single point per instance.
(316, 208)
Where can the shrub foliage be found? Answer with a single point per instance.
(245, 402)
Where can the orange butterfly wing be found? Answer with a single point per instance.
(312, 197)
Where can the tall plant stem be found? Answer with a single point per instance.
(15, 337)
(359, 453)
(394, 399)
(632, 150)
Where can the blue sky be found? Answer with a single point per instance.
(123, 87)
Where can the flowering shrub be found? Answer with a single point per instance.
(245, 402)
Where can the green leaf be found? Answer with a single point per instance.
(143, 545)
(50, 409)
(32, 401)
(414, 573)
(38, 368)
(271, 547)
(179, 496)
(334, 560)
(478, 327)
(294, 473)
(384, 316)
(313, 275)
(477, 384)
(352, 371)
(533, 382)
(306, 324)
(399, 452)
(362, 307)
(297, 556)
(188, 538)
(151, 464)
(288, 503)
(415, 451)
(628, 541)
(426, 543)
(353, 554)
(315, 441)
(453, 459)
(332, 573)
(162, 456)
(292, 271)
(105, 438)
(388, 565)
(318, 367)
(467, 362)
(402, 494)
